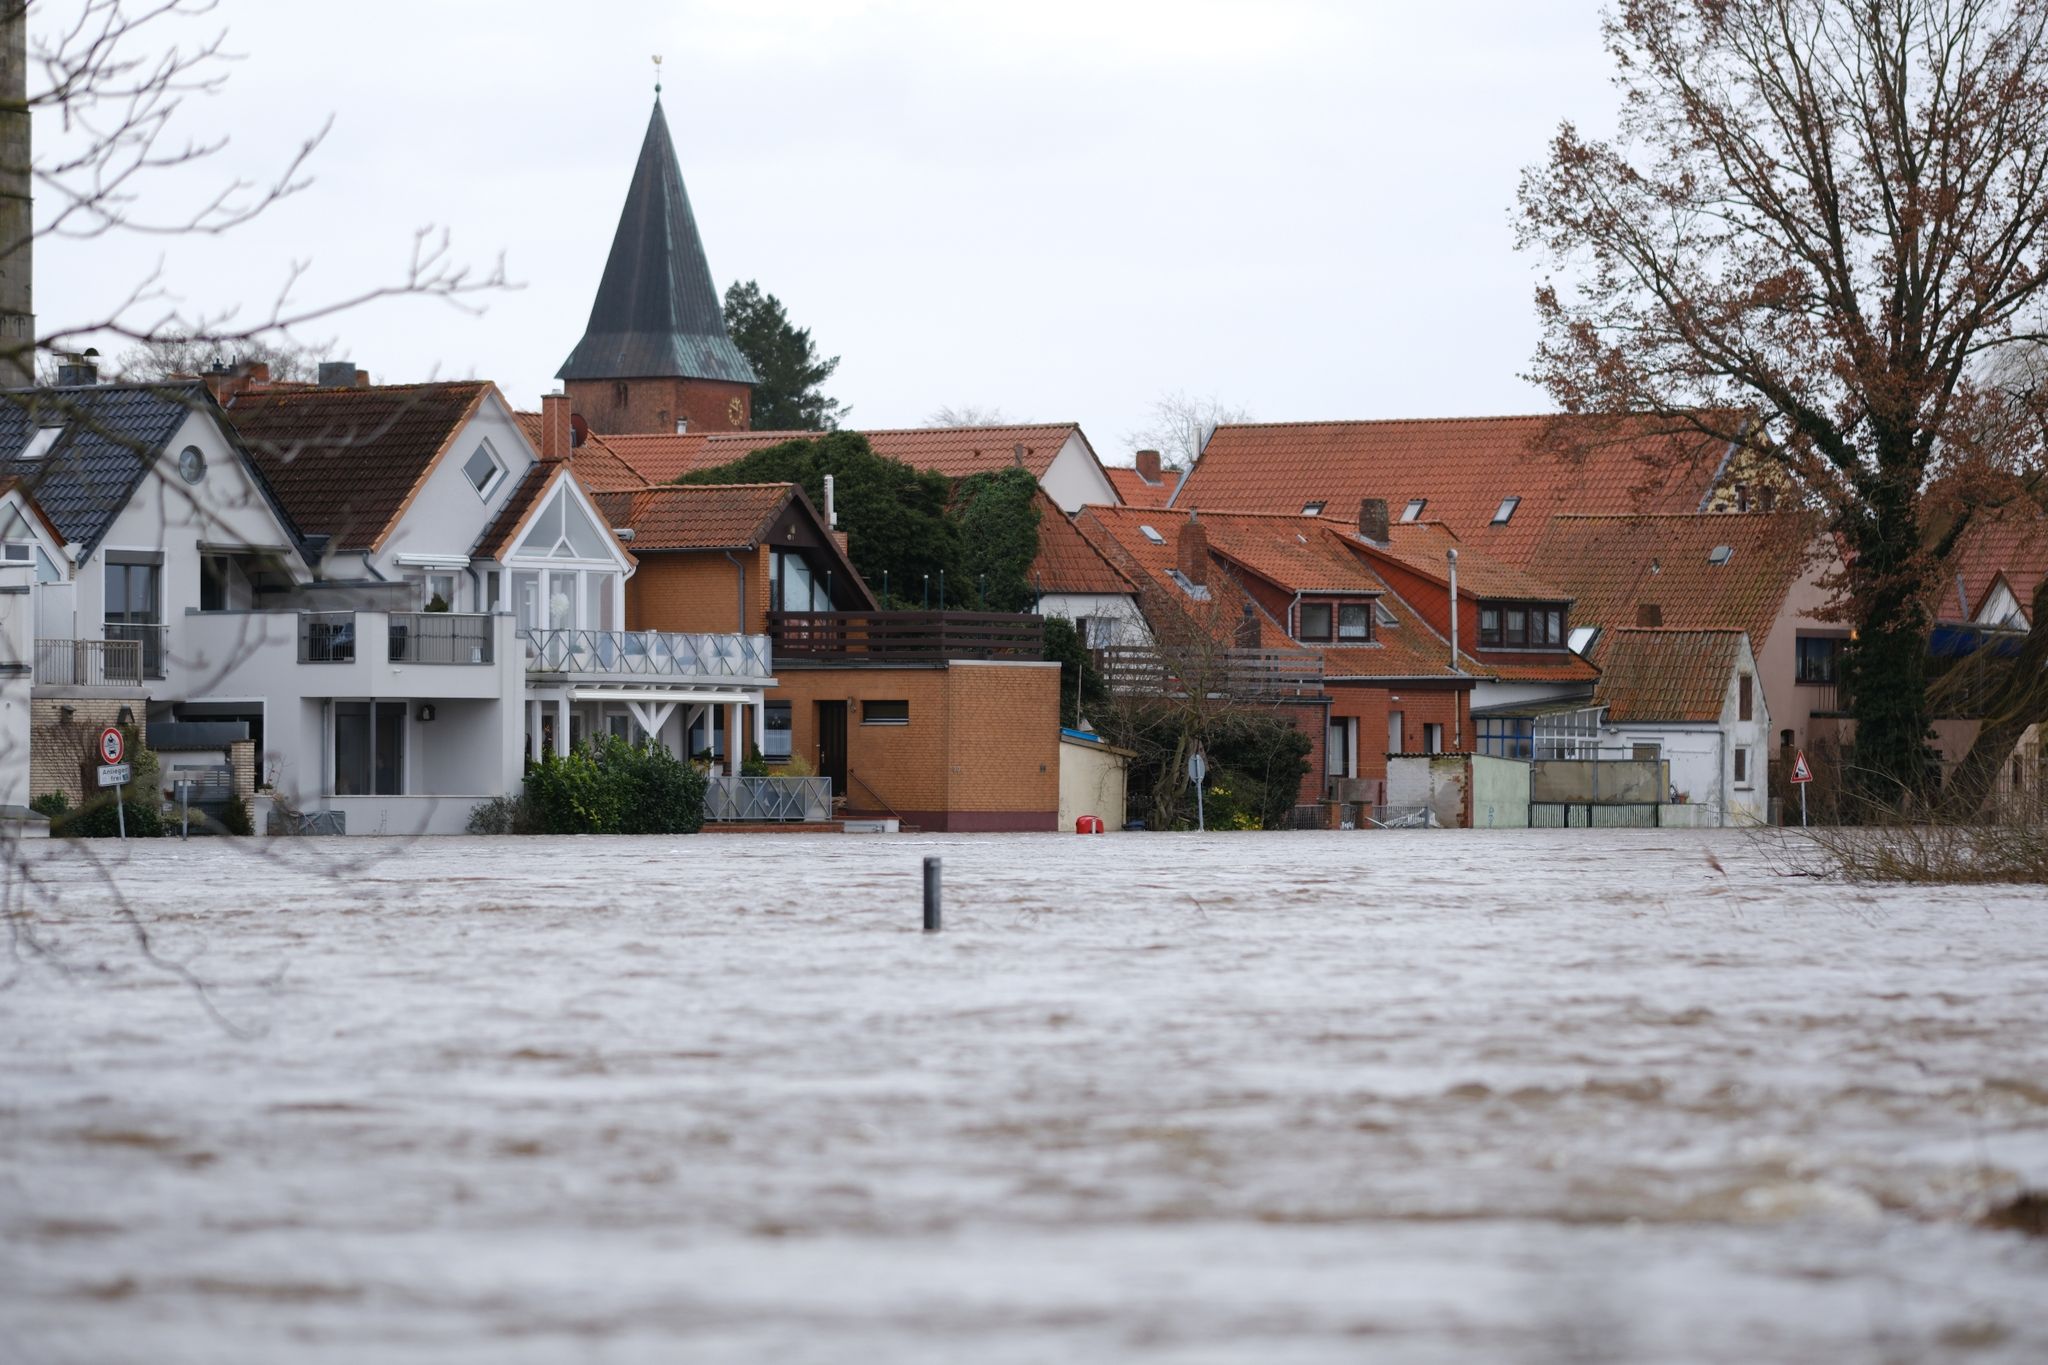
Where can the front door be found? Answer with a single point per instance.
(832, 744)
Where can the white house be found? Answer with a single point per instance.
(1691, 698)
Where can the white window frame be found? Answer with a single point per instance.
(490, 485)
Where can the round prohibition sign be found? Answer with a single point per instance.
(112, 746)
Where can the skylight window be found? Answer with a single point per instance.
(40, 443)
(1583, 638)
(1384, 614)
(1413, 512)
(1153, 535)
(1312, 509)
(1720, 554)
(1506, 510)
(1198, 591)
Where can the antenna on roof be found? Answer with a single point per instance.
(657, 75)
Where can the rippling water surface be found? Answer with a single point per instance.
(1413, 1097)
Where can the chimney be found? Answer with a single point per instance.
(79, 370)
(1372, 519)
(226, 382)
(338, 374)
(1148, 466)
(1649, 614)
(1192, 547)
(1248, 626)
(17, 229)
(556, 439)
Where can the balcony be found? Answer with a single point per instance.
(1216, 672)
(327, 637)
(438, 637)
(89, 663)
(614, 654)
(149, 636)
(905, 636)
(1828, 698)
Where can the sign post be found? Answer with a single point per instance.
(1801, 776)
(1198, 768)
(114, 773)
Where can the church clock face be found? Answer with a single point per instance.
(736, 412)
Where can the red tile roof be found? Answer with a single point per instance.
(1135, 492)
(598, 467)
(346, 462)
(664, 458)
(1667, 675)
(1067, 562)
(1421, 547)
(1464, 467)
(1611, 565)
(958, 452)
(2014, 544)
(504, 528)
(719, 516)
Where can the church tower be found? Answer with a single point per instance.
(655, 356)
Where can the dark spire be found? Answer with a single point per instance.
(657, 313)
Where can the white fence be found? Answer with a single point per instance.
(768, 800)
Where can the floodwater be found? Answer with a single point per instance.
(1508, 1096)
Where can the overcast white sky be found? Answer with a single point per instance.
(1063, 209)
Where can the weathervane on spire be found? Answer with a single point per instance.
(657, 75)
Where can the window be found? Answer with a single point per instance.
(1505, 510)
(492, 585)
(1720, 554)
(1819, 659)
(885, 713)
(1767, 498)
(1312, 509)
(39, 444)
(1516, 625)
(1354, 621)
(1315, 620)
(619, 395)
(1583, 638)
(439, 587)
(483, 470)
(213, 582)
(369, 748)
(134, 587)
(776, 723)
(1742, 497)
(1152, 535)
(1198, 591)
(1432, 737)
(1741, 766)
(1504, 736)
(1384, 615)
(1745, 697)
(1646, 753)
(1413, 511)
(796, 586)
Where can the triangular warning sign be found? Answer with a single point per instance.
(1800, 772)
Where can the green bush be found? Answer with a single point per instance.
(234, 817)
(100, 820)
(501, 815)
(54, 805)
(612, 787)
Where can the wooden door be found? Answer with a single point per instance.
(832, 744)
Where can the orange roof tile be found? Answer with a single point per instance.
(1463, 467)
(1135, 492)
(718, 516)
(598, 467)
(2013, 544)
(1667, 675)
(958, 452)
(1067, 561)
(1612, 565)
(1420, 546)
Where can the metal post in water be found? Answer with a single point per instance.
(184, 810)
(931, 895)
(121, 809)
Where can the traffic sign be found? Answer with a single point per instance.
(1198, 766)
(116, 774)
(113, 748)
(1800, 772)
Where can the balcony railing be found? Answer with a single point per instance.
(327, 637)
(648, 653)
(89, 663)
(906, 636)
(439, 637)
(768, 799)
(148, 635)
(1824, 698)
(1144, 669)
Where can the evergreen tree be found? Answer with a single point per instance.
(786, 363)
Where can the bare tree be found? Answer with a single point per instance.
(1181, 424)
(967, 415)
(169, 356)
(1819, 220)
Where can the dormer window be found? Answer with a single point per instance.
(1312, 509)
(1521, 625)
(483, 470)
(1354, 621)
(1345, 622)
(1505, 510)
(1413, 511)
(1152, 535)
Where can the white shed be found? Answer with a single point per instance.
(1690, 698)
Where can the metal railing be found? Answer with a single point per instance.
(149, 635)
(1824, 698)
(88, 663)
(1144, 669)
(648, 653)
(327, 637)
(786, 800)
(907, 636)
(439, 637)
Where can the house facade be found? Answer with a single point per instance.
(1692, 699)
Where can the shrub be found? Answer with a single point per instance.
(753, 765)
(501, 815)
(53, 805)
(101, 820)
(234, 817)
(612, 787)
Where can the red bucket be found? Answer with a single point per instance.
(1088, 824)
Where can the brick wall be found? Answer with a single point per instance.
(654, 405)
(58, 748)
(696, 592)
(1004, 749)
